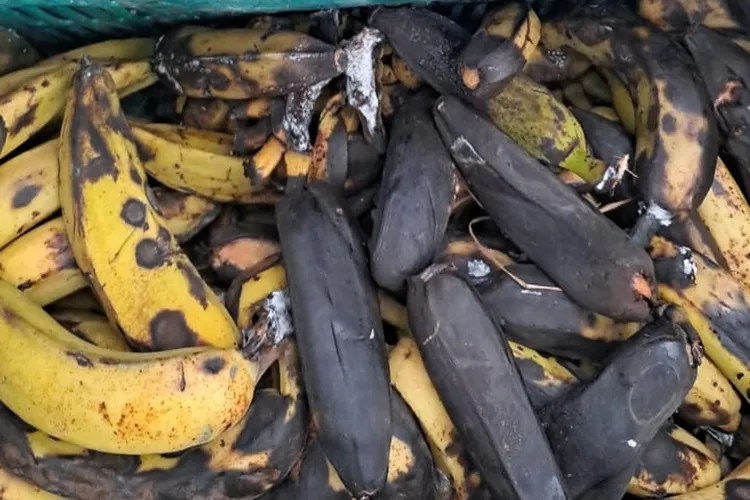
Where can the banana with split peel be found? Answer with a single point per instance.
(114, 401)
(243, 63)
(676, 141)
(339, 333)
(462, 348)
(500, 48)
(146, 283)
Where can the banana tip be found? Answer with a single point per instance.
(470, 77)
(642, 287)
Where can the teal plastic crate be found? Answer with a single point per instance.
(50, 23)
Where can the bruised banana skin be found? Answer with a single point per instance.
(621, 404)
(499, 48)
(145, 282)
(715, 303)
(41, 264)
(678, 15)
(92, 327)
(676, 137)
(733, 487)
(112, 401)
(243, 63)
(218, 177)
(28, 190)
(712, 400)
(339, 333)
(416, 194)
(409, 377)
(673, 463)
(245, 461)
(462, 348)
(184, 214)
(565, 329)
(589, 249)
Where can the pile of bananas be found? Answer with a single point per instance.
(381, 253)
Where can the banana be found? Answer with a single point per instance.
(15, 488)
(206, 114)
(726, 216)
(109, 51)
(248, 139)
(499, 48)
(92, 327)
(732, 487)
(711, 400)
(694, 234)
(417, 168)
(404, 74)
(147, 285)
(251, 109)
(329, 152)
(555, 66)
(507, 180)
(340, 335)
(676, 137)
(621, 101)
(574, 95)
(243, 63)
(41, 264)
(596, 87)
(714, 302)
(82, 300)
(607, 112)
(113, 401)
(673, 463)
(241, 247)
(623, 404)
(609, 142)
(678, 15)
(15, 52)
(220, 178)
(543, 376)
(189, 137)
(184, 214)
(28, 190)
(246, 460)
(409, 377)
(451, 327)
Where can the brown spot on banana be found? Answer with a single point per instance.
(213, 365)
(169, 330)
(134, 213)
(195, 284)
(80, 359)
(25, 195)
(149, 254)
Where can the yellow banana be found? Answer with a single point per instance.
(712, 400)
(145, 282)
(732, 487)
(28, 190)
(574, 95)
(14, 488)
(726, 215)
(716, 305)
(621, 101)
(596, 87)
(91, 327)
(190, 137)
(41, 264)
(221, 178)
(184, 214)
(409, 377)
(128, 49)
(82, 300)
(113, 401)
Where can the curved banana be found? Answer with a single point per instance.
(676, 136)
(28, 190)
(41, 264)
(114, 401)
(145, 282)
(726, 215)
(210, 141)
(243, 63)
(220, 178)
(499, 49)
(409, 377)
(732, 487)
(621, 101)
(92, 327)
(712, 400)
(184, 214)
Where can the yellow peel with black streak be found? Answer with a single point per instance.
(220, 178)
(112, 401)
(28, 190)
(732, 487)
(621, 101)
(681, 14)
(145, 282)
(190, 137)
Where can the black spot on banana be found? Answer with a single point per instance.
(594, 262)
(676, 140)
(678, 15)
(499, 48)
(415, 197)
(243, 63)
(340, 334)
(611, 419)
(185, 214)
(463, 349)
(248, 139)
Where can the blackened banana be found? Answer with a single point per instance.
(608, 140)
(544, 378)
(415, 197)
(463, 350)
(340, 334)
(677, 15)
(590, 258)
(609, 420)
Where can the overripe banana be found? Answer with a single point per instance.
(113, 401)
(248, 139)
(621, 101)
(505, 179)
(678, 15)
(15, 52)
(146, 283)
(206, 114)
(243, 63)
(711, 400)
(340, 334)
(189, 137)
(462, 347)
(241, 246)
(184, 214)
(499, 49)
(732, 487)
(544, 377)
